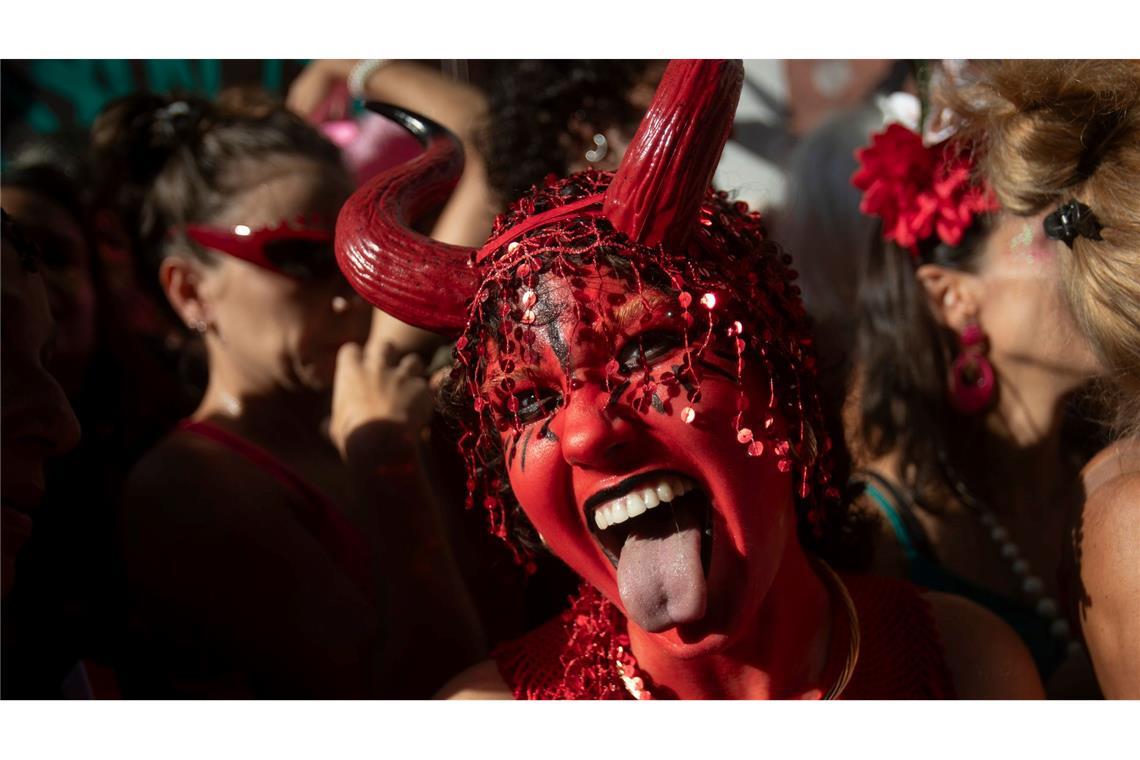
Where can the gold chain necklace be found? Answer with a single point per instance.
(636, 685)
(853, 639)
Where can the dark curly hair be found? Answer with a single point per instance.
(532, 105)
(758, 318)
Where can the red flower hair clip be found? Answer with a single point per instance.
(919, 191)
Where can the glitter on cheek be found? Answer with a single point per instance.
(1021, 246)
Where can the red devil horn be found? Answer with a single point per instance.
(668, 167)
(418, 280)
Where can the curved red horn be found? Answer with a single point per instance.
(668, 167)
(418, 280)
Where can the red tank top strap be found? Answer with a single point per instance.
(315, 511)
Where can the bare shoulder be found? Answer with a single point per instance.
(1109, 539)
(480, 681)
(1109, 554)
(1115, 460)
(1111, 513)
(1109, 550)
(986, 659)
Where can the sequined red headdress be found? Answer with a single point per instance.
(656, 214)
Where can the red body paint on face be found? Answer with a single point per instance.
(596, 445)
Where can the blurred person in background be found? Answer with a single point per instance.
(822, 229)
(1060, 145)
(273, 542)
(967, 356)
(66, 603)
(37, 421)
(42, 187)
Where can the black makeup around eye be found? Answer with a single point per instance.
(648, 347)
(536, 403)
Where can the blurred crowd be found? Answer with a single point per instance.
(226, 474)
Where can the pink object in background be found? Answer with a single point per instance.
(371, 143)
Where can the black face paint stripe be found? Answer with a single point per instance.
(561, 350)
(616, 395)
(546, 433)
(512, 450)
(525, 443)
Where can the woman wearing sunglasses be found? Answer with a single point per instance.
(259, 556)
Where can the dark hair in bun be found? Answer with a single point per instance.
(165, 161)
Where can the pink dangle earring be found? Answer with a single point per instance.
(972, 381)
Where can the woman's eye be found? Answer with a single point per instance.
(648, 348)
(536, 403)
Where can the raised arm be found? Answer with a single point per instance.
(381, 404)
(467, 217)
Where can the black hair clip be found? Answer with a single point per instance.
(1071, 220)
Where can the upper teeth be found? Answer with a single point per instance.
(639, 500)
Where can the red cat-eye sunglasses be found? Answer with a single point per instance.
(298, 250)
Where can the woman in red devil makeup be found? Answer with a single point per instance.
(636, 382)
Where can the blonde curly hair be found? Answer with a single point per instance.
(1048, 132)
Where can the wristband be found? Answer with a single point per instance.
(361, 72)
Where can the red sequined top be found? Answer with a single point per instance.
(577, 655)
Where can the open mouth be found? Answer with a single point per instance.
(653, 505)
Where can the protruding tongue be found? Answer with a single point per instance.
(659, 573)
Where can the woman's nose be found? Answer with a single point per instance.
(595, 434)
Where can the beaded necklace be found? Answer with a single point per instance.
(1032, 586)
